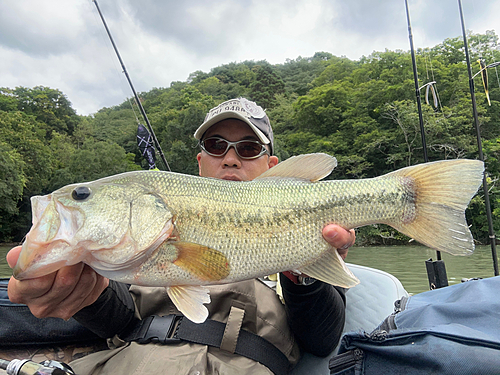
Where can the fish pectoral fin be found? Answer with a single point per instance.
(331, 269)
(312, 167)
(190, 301)
(205, 263)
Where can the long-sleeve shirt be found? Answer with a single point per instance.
(316, 314)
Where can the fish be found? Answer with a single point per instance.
(184, 232)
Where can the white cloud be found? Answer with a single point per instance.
(62, 44)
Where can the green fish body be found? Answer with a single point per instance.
(182, 232)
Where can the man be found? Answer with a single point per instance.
(236, 142)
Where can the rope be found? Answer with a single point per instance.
(105, 42)
(498, 80)
(433, 79)
(133, 110)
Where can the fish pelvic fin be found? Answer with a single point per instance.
(331, 268)
(190, 301)
(443, 191)
(312, 167)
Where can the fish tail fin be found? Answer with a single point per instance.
(442, 192)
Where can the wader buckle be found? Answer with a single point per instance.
(161, 329)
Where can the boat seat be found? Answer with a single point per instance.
(367, 305)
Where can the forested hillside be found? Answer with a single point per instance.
(363, 112)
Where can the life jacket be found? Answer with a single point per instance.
(263, 315)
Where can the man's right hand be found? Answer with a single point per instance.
(60, 294)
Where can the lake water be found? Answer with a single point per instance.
(407, 263)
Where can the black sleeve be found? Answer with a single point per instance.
(316, 314)
(111, 313)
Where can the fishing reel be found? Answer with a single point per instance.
(27, 367)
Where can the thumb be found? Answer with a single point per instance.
(13, 255)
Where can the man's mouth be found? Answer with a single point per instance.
(231, 178)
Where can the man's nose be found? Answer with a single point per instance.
(231, 158)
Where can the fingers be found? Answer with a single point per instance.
(13, 255)
(60, 294)
(76, 292)
(339, 238)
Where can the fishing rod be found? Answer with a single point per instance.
(417, 90)
(479, 146)
(28, 367)
(436, 270)
(155, 140)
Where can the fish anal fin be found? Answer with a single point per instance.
(203, 262)
(331, 268)
(190, 301)
(312, 167)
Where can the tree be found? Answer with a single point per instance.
(338, 68)
(95, 159)
(116, 125)
(322, 111)
(8, 101)
(266, 86)
(26, 135)
(50, 106)
(12, 182)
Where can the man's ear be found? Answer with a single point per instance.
(198, 157)
(273, 160)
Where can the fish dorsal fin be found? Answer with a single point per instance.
(190, 301)
(312, 167)
(331, 269)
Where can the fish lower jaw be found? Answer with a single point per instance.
(17, 272)
(32, 272)
(42, 258)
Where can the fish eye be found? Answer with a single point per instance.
(80, 193)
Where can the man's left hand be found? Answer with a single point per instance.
(339, 238)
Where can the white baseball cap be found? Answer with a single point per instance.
(244, 110)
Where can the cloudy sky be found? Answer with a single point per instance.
(63, 44)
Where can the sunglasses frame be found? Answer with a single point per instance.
(230, 144)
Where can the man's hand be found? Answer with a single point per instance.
(339, 238)
(60, 294)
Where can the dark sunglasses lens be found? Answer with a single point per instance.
(215, 146)
(248, 149)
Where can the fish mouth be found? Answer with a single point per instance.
(35, 262)
(49, 239)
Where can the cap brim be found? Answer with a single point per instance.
(224, 116)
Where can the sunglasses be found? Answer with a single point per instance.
(244, 149)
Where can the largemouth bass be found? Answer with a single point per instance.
(183, 232)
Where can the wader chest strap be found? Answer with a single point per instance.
(175, 328)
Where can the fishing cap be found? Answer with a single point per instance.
(244, 110)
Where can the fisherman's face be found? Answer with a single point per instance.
(231, 166)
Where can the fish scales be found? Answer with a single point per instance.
(271, 223)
